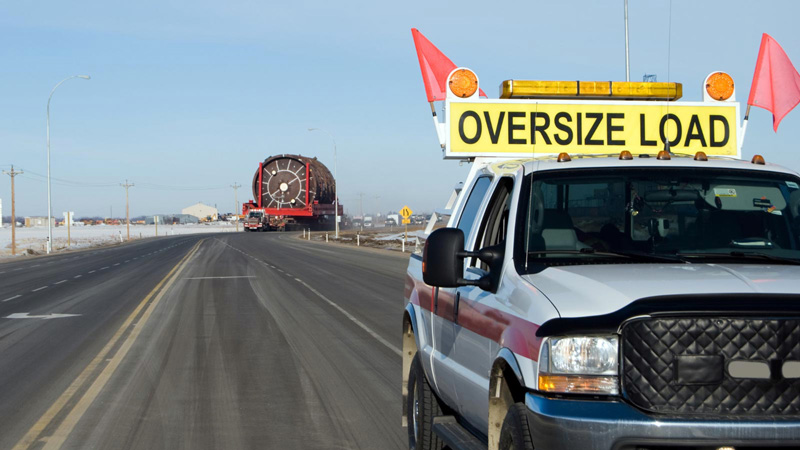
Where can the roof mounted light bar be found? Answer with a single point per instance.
(613, 90)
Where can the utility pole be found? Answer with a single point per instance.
(361, 207)
(378, 208)
(127, 207)
(12, 174)
(236, 202)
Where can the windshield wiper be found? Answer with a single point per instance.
(639, 256)
(743, 255)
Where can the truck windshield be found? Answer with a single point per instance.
(255, 214)
(679, 215)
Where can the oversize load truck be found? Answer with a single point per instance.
(612, 276)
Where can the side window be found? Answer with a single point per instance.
(494, 225)
(467, 220)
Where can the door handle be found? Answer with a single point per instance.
(455, 307)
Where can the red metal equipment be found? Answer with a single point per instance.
(296, 188)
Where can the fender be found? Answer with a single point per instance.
(508, 357)
(412, 316)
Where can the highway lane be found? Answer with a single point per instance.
(256, 340)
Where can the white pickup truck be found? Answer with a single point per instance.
(631, 301)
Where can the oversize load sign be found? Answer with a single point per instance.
(514, 128)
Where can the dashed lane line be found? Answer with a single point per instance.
(39, 289)
(104, 268)
(92, 271)
(77, 276)
(12, 298)
(59, 282)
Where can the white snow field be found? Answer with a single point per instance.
(33, 240)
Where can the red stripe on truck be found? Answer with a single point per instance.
(507, 330)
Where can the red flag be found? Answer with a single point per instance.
(435, 67)
(776, 83)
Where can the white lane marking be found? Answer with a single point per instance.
(62, 281)
(352, 318)
(45, 316)
(288, 274)
(12, 298)
(116, 264)
(20, 268)
(218, 278)
(92, 271)
(104, 268)
(77, 276)
(36, 265)
(127, 261)
(3, 271)
(39, 289)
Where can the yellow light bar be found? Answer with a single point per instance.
(616, 90)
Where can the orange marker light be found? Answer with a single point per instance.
(663, 155)
(719, 86)
(564, 157)
(625, 155)
(463, 83)
(700, 156)
(758, 159)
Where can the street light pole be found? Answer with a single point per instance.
(236, 201)
(49, 197)
(336, 181)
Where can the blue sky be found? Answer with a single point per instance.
(187, 97)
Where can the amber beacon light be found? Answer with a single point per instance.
(463, 83)
(719, 86)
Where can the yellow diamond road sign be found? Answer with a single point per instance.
(406, 212)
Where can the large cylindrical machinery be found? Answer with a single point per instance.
(293, 181)
(297, 188)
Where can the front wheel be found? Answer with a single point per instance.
(516, 431)
(423, 406)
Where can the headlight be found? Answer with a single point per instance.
(580, 365)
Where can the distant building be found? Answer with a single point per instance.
(201, 211)
(37, 221)
(185, 218)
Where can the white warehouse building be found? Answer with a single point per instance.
(201, 211)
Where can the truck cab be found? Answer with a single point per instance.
(628, 300)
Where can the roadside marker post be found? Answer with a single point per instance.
(406, 212)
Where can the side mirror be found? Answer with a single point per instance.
(443, 261)
(441, 264)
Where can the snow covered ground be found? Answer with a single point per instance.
(34, 240)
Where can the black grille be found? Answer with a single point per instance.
(652, 347)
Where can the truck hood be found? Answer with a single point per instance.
(589, 290)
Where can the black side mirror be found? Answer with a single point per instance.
(443, 261)
(441, 264)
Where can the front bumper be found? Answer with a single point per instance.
(606, 425)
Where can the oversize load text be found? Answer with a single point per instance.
(591, 128)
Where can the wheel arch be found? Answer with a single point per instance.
(410, 348)
(506, 387)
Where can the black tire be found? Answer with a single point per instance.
(423, 406)
(516, 431)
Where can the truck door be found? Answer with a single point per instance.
(442, 319)
(477, 311)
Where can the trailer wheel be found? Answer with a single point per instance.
(516, 431)
(423, 406)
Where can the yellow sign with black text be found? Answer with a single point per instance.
(514, 128)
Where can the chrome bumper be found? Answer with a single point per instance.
(614, 425)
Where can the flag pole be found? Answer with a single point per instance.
(744, 129)
(437, 125)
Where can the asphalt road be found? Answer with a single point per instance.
(248, 340)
